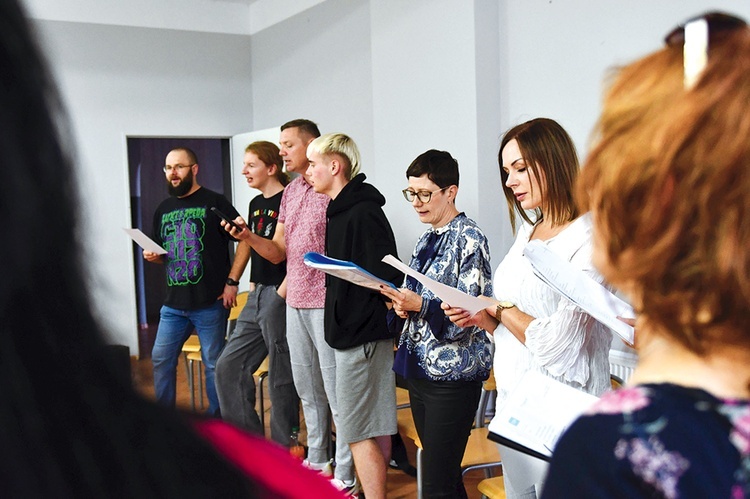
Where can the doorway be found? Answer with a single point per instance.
(148, 188)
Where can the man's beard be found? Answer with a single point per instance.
(182, 188)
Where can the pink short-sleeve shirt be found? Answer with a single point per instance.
(303, 213)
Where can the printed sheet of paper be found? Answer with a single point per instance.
(449, 295)
(144, 241)
(345, 270)
(579, 288)
(536, 413)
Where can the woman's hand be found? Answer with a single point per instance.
(404, 300)
(462, 319)
(628, 321)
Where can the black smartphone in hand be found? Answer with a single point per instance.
(226, 218)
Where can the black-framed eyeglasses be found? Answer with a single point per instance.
(424, 196)
(170, 168)
(694, 36)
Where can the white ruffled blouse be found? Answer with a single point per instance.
(562, 341)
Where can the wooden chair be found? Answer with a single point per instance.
(492, 488)
(234, 313)
(191, 351)
(262, 373)
(615, 381)
(489, 391)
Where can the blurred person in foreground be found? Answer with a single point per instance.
(668, 185)
(71, 425)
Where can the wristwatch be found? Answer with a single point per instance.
(232, 282)
(500, 307)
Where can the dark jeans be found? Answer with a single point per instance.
(443, 414)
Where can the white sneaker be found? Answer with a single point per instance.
(352, 488)
(325, 469)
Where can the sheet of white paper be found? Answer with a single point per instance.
(538, 410)
(449, 295)
(144, 241)
(579, 288)
(345, 270)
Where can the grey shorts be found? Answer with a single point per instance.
(366, 391)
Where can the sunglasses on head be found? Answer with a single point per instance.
(717, 22)
(694, 35)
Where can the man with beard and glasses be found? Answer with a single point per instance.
(200, 286)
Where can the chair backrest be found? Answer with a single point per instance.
(489, 390)
(615, 381)
(234, 313)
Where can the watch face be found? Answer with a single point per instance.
(506, 304)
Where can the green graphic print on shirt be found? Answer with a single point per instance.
(182, 232)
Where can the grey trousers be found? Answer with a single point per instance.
(260, 331)
(314, 368)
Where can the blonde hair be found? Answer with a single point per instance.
(668, 184)
(340, 145)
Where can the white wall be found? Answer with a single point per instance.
(317, 65)
(427, 90)
(556, 54)
(398, 76)
(217, 16)
(241, 17)
(123, 81)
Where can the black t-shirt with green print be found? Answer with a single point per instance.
(197, 261)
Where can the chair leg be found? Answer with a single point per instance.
(201, 379)
(191, 381)
(262, 402)
(419, 473)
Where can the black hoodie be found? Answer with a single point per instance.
(358, 231)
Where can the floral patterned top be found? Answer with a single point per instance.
(431, 346)
(655, 440)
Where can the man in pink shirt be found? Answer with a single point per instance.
(301, 227)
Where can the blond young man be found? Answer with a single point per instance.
(355, 317)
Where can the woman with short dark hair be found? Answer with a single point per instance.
(444, 364)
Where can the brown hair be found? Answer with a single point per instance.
(546, 147)
(668, 184)
(304, 127)
(268, 152)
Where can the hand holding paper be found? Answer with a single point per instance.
(452, 296)
(144, 241)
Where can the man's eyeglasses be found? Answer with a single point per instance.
(694, 36)
(170, 168)
(424, 196)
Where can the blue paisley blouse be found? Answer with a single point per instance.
(655, 440)
(431, 346)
